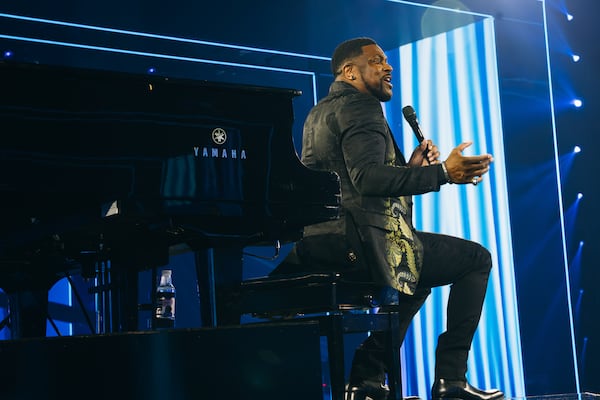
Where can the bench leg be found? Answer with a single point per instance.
(335, 345)
(394, 339)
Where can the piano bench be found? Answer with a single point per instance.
(339, 306)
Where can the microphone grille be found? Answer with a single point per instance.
(409, 113)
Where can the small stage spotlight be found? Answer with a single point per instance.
(569, 17)
(575, 57)
(579, 195)
(8, 54)
(577, 103)
(151, 70)
(576, 149)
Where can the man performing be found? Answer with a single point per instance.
(374, 239)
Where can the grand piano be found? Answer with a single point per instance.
(99, 165)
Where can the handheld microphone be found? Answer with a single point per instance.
(410, 116)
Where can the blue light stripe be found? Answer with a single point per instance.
(452, 81)
(508, 300)
(165, 56)
(162, 37)
(560, 203)
(154, 55)
(433, 6)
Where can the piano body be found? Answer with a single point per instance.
(101, 165)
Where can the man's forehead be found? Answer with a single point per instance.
(372, 49)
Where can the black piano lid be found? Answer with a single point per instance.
(217, 158)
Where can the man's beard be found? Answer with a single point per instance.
(379, 93)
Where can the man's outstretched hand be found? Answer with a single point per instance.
(467, 169)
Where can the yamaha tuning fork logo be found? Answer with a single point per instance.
(219, 136)
(219, 148)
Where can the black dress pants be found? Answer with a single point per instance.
(447, 260)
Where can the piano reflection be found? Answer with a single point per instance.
(103, 165)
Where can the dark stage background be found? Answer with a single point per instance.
(314, 27)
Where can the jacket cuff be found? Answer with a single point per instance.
(445, 172)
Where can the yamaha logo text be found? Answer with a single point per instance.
(219, 138)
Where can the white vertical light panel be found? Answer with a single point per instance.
(451, 80)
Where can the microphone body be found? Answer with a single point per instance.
(410, 116)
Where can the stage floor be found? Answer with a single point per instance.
(564, 396)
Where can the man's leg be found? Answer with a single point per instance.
(466, 266)
(369, 364)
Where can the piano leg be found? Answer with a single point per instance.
(148, 252)
(28, 313)
(124, 312)
(218, 270)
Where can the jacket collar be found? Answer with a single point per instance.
(340, 87)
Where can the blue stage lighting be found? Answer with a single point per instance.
(579, 195)
(569, 17)
(581, 243)
(576, 149)
(577, 103)
(151, 70)
(8, 54)
(575, 57)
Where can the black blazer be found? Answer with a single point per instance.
(347, 132)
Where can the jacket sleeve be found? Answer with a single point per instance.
(366, 140)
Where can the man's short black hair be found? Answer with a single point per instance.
(346, 50)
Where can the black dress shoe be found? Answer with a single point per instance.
(454, 390)
(371, 391)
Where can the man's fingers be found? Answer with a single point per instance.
(476, 169)
(485, 158)
(463, 145)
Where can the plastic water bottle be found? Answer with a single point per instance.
(164, 315)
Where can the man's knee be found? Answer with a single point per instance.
(484, 258)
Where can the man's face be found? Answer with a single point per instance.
(375, 73)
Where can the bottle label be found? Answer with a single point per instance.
(165, 306)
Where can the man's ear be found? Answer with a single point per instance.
(348, 71)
